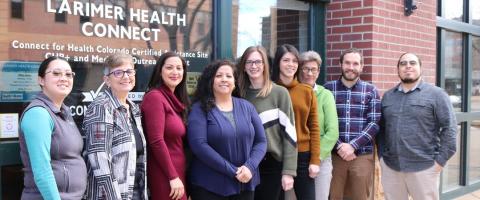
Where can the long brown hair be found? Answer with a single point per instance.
(243, 79)
(181, 89)
(279, 53)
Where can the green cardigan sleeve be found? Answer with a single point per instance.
(328, 121)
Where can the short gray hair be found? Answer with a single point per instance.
(310, 56)
(115, 60)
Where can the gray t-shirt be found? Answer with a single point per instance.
(229, 116)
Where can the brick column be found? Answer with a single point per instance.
(381, 30)
(4, 17)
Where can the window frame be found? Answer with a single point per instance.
(466, 116)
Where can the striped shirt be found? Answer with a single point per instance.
(359, 112)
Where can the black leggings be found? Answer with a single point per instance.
(270, 186)
(304, 185)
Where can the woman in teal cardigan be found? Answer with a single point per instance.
(310, 63)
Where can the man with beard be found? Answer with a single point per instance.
(417, 137)
(358, 109)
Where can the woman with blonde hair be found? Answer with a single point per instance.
(274, 106)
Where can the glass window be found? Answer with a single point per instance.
(16, 9)
(84, 19)
(123, 4)
(475, 6)
(453, 9)
(475, 104)
(88, 44)
(451, 171)
(474, 152)
(270, 24)
(453, 68)
(11, 181)
(60, 17)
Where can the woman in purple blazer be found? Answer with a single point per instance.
(226, 136)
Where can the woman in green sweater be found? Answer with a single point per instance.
(274, 106)
(285, 70)
(310, 63)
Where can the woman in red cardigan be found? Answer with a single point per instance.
(164, 110)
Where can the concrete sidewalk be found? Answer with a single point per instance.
(472, 196)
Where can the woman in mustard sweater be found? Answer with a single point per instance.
(285, 70)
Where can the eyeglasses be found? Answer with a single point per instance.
(121, 73)
(313, 70)
(405, 62)
(58, 74)
(256, 62)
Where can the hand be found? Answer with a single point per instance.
(177, 189)
(350, 157)
(287, 182)
(243, 174)
(313, 170)
(438, 167)
(346, 151)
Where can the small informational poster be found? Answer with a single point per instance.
(18, 81)
(192, 78)
(9, 125)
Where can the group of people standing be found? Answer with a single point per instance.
(253, 132)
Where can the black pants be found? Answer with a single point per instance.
(270, 186)
(304, 185)
(198, 193)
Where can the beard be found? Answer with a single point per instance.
(409, 80)
(355, 75)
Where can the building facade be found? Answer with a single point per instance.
(444, 33)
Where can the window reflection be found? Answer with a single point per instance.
(453, 68)
(453, 9)
(475, 104)
(474, 152)
(475, 6)
(11, 181)
(191, 39)
(16, 9)
(451, 171)
(269, 23)
(60, 17)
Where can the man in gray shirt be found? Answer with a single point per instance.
(417, 136)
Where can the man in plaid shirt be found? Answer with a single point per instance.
(358, 109)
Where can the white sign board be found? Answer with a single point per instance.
(9, 125)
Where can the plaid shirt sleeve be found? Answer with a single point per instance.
(373, 117)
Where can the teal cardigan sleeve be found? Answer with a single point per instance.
(329, 130)
(37, 126)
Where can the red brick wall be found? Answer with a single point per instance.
(381, 30)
